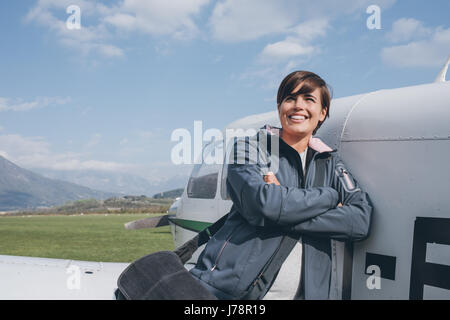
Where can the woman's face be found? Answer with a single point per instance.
(300, 114)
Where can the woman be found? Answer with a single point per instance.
(311, 197)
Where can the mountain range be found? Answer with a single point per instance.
(23, 189)
(119, 182)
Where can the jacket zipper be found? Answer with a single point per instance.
(305, 177)
(307, 171)
(220, 253)
(305, 181)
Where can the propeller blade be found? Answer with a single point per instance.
(151, 222)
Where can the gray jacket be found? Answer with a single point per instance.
(262, 214)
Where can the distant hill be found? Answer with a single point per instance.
(22, 189)
(117, 205)
(169, 194)
(118, 182)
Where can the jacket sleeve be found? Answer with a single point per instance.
(263, 204)
(352, 220)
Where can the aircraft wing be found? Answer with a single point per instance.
(48, 279)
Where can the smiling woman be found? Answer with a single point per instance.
(276, 240)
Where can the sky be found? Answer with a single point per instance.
(108, 95)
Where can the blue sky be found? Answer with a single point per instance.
(109, 95)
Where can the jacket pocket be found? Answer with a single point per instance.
(346, 179)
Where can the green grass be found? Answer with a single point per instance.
(81, 237)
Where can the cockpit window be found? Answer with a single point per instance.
(203, 181)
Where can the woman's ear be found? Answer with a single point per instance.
(323, 114)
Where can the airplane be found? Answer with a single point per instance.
(394, 141)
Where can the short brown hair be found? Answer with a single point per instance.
(311, 82)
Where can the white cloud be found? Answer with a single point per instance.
(7, 104)
(300, 25)
(138, 144)
(101, 24)
(236, 20)
(122, 21)
(87, 40)
(419, 52)
(88, 7)
(285, 49)
(17, 146)
(35, 152)
(311, 29)
(76, 164)
(406, 29)
(174, 18)
(280, 58)
(297, 44)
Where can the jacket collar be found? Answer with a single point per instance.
(314, 143)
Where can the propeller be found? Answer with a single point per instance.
(151, 222)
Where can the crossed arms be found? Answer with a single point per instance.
(334, 212)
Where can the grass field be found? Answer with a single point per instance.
(81, 237)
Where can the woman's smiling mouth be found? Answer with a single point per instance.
(297, 118)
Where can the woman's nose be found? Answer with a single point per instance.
(299, 103)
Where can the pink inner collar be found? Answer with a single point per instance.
(314, 143)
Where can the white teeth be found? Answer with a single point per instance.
(297, 117)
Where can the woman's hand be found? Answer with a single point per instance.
(271, 178)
